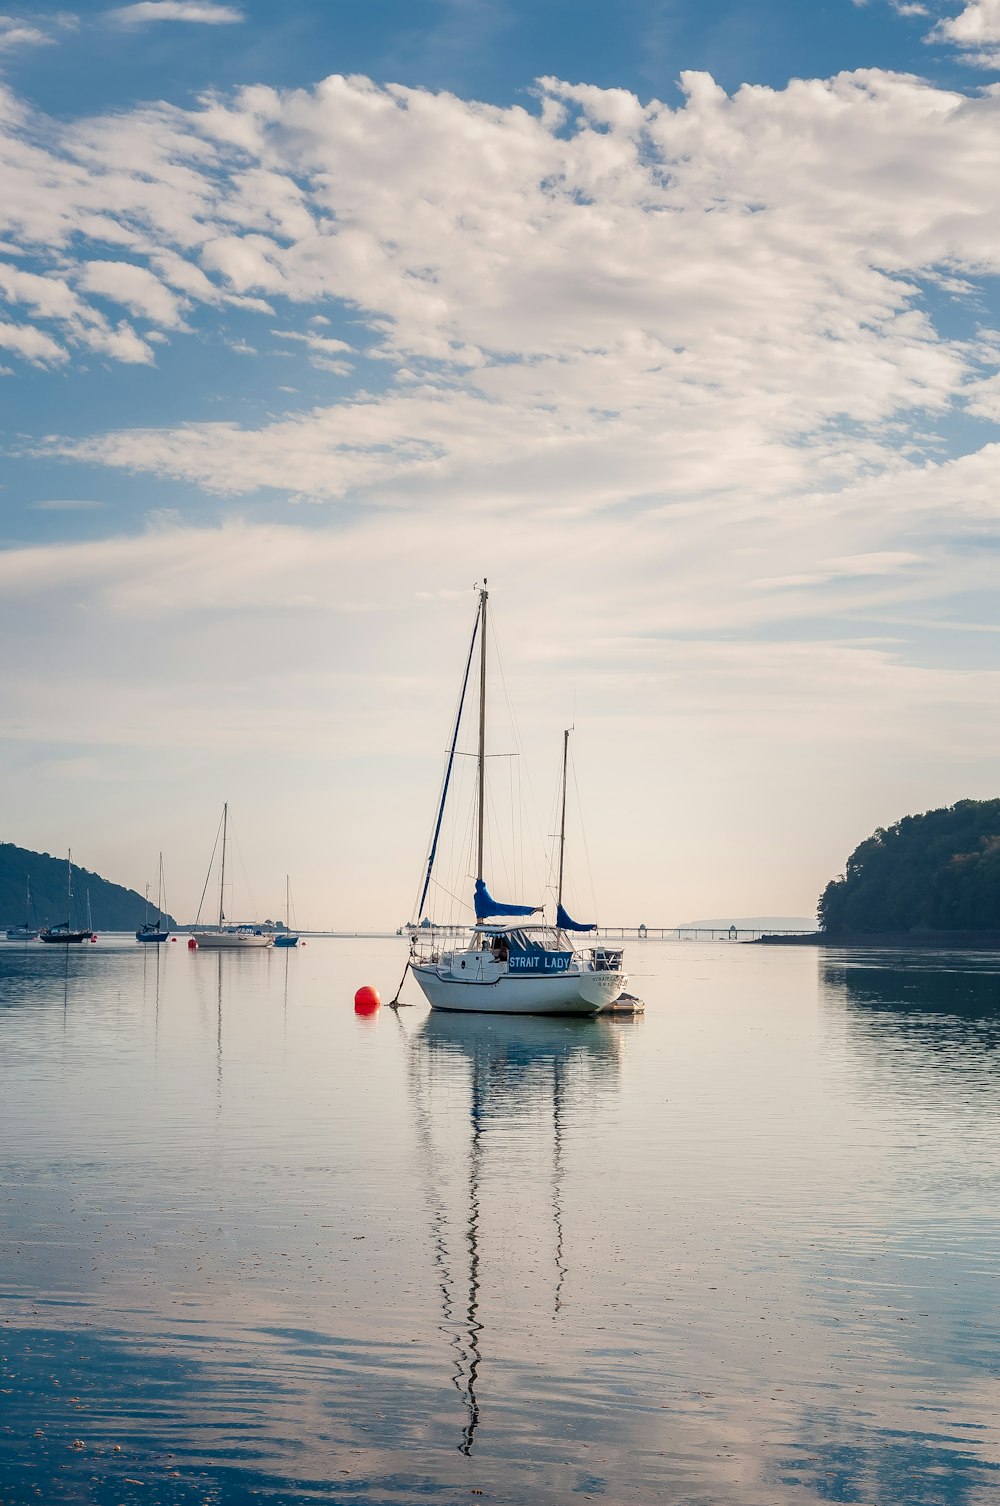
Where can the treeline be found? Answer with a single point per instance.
(938, 871)
(112, 907)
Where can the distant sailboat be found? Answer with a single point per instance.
(287, 937)
(64, 934)
(154, 930)
(508, 967)
(29, 931)
(237, 938)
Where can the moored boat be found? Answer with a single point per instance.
(507, 967)
(154, 930)
(223, 935)
(287, 937)
(65, 934)
(28, 931)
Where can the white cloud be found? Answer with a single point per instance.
(136, 288)
(974, 31)
(15, 33)
(36, 31)
(36, 346)
(199, 11)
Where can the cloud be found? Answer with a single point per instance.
(593, 289)
(324, 353)
(975, 31)
(136, 288)
(15, 33)
(200, 11)
(33, 344)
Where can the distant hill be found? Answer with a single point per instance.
(939, 871)
(113, 908)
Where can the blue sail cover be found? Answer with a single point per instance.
(486, 905)
(564, 922)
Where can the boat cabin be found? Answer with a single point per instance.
(525, 949)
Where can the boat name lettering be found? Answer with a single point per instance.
(539, 962)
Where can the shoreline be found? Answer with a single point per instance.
(889, 940)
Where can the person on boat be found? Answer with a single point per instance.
(501, 949)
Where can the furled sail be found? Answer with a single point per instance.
(486, 905)
(564, 922)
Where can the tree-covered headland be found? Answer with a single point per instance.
(939, 872)
(113, 908)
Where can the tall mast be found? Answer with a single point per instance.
(562, 822)
(222, 871)
(159, 895)
(483, 598)
(287, 903)
(69, 886)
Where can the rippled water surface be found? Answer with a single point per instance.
(742, 1250)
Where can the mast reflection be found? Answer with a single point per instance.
(503, 1069)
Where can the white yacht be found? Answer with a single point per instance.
(223, 935)
(508, 966)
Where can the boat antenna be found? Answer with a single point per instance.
(222, 868)
(484, 597)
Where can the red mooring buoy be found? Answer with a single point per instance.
(192, 944)
(366, 1000)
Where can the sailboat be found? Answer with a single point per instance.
(151, 930)
(29, 931)
(63, 934)
(287, 937)
(223, 935)
(507, 968)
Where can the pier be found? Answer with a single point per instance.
(696, 933)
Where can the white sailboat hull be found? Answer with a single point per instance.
(231, 940)
(583, 992)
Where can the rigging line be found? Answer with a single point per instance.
(494, 822)
(583, 833)
(246, 877)
(448, 767)
(464, 904)
(208, 875)
(460, 843)
(519, 744)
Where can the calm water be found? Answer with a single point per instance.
(742, 1250)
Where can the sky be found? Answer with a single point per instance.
(679, 322)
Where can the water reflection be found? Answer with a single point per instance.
(510, 1072)
(966, 988)
(741, 1252)
(941, 1012)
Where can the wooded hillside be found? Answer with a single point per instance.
(113, 908)
(937, 871)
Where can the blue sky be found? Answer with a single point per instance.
(678, 320)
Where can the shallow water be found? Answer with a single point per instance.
(743, 1249)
